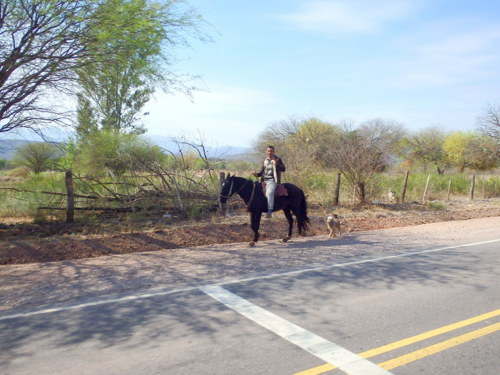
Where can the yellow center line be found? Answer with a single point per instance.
(436, 348)
(405, 342)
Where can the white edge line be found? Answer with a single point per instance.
(327, 266)
(236, 281)
(97, 303)
(318, 346)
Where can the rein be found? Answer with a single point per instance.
(251, 195)
(236, 192)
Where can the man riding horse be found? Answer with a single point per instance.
(270, 174)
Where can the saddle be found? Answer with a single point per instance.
(281, 190)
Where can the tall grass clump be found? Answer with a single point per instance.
(28, 196)
(460, 184)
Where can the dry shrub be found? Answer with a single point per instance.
(19, 172)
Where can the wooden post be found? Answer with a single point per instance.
(70, 208)
(484, 192)
(426, 187)
(449, 190)
(404, 186)
(222, 177)
(472, 186)
(337, 191)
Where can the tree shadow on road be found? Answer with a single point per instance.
(138, 322)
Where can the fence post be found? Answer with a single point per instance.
(70, 208)
(472, 186)
(404, 186)
(426, 187)
(484, 191)
(337, 191)
(222, 177)
(449, 190)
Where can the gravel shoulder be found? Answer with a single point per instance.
(159, 267)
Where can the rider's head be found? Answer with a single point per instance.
(270, 152)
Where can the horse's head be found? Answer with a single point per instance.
(227, 189)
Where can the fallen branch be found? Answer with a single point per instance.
(50, 193)
(107, 209)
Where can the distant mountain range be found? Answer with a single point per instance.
(9, 146)
(222, 152)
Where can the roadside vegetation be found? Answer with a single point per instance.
(121, 175)
(110, 56)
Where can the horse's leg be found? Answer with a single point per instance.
(289, 218)
(296, 212)
(255, 224)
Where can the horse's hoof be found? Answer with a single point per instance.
(251, 244)
(286, 239)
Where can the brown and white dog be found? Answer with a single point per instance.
(333, 225)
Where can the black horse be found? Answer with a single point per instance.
(251, 192)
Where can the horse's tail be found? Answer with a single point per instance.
(302, 219)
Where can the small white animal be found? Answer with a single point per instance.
(391, 195)
(333, 225)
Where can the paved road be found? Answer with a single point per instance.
(428, 310)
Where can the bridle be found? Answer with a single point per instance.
(231, 189)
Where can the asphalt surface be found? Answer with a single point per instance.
(443, 300)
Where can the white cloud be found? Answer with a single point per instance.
(354, 16)
(451, 58)
(462, 42)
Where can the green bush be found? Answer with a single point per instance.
(436, 205)
(201, 193)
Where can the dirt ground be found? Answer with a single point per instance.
(36, 243)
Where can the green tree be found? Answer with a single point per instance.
(134, 39)
(42, 42)
(105, 152)
(302, 143)
(37, 156)
(314, 138)
(471, 150)
(110, 152)
(426, 148)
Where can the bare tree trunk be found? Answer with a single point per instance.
(128, 194)
(361, 192)
(70, 208)
(337, 191)
(179, 197)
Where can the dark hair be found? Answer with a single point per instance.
(271, 147)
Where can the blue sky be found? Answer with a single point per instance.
(418, 62)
